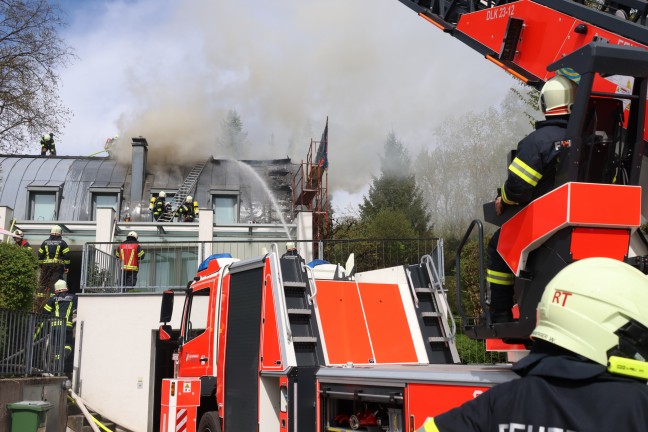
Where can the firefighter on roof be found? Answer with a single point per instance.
(20, 241)
(587, 369)
(158, 205)
(47, 144)
(188, 211)
(64, 305)
(53, 258)
(530, 175)
(130, 253)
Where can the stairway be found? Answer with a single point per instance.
(76, 421)
(187, 186)
(433, 311)
(301, 314)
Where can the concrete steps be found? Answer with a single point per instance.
(76, 421)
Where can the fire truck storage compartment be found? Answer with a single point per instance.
(361, 408)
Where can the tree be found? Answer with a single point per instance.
(469, 163)
(18, 281)
(31, 52)
(396, 189)
(234, 137)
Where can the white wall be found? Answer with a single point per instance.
(116, 335)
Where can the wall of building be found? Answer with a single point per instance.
(114, 373)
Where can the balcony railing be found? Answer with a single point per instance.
(30, 344)
(169, 265)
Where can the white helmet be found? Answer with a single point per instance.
(47, 137)
(60, 285)
(19, 234)
(162, 194)
(290, 245)
(189, 199)
(598, 308)
(55, 230)
(132, 234)
(557, 96)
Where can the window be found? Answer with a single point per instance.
(225, 208)
(104, 200)
(42, 205)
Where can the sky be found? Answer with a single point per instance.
(171, 70)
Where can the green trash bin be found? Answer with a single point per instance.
(29, 416)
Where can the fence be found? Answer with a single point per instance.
(169, 265)
(30, 344)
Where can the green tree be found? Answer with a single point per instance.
(396, 189)
(31, 53)
(233, 135)
(18, 281)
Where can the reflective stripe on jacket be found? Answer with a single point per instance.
(54, 250)
(130, 253)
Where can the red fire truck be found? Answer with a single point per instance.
(270, 344)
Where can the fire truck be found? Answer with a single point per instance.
(272, 344)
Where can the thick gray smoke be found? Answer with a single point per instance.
(171, 71)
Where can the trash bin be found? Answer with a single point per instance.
(29, 416)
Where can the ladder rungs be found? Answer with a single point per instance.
(294, 284)
(299, 312)
(423, 290)
(430, 314)
(437, 339)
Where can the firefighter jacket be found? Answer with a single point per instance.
(47, 143)
(54, 250)
(187, 212)
(159, 207)
(130, 252)
(533, 171)
(62, 305)
(563, 393)
(23, 243)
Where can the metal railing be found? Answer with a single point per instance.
(168, 265)
(30, 344)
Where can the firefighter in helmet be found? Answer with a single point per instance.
(158, 205)
(19, 238)
(47, 144)
(130, 253)
(63, 305)
(53, 258)
(291, 250)
(188, 211)
(589, 354)
(530, 175)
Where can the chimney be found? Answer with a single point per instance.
(138, 169)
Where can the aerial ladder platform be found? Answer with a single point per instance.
(524, 36)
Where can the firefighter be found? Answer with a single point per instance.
(63, 305)
(20, 241)
(47, 144)
(130, 253)
(158, 205)
(587, 369)
(291, 250)
(53, 258)
(530, 175)
(188, 211)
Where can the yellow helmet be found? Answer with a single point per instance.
(60, 285)
(557, 96)
(598, 308)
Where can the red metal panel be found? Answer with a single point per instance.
(532, 223)
(388, 327)
(180, 399)
(270, 349)
(343, 325)
(605, 205)
(429, 400)
(599, 242)
(573, 204)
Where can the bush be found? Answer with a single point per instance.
(18, 280)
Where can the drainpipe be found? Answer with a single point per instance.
(138, 170)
